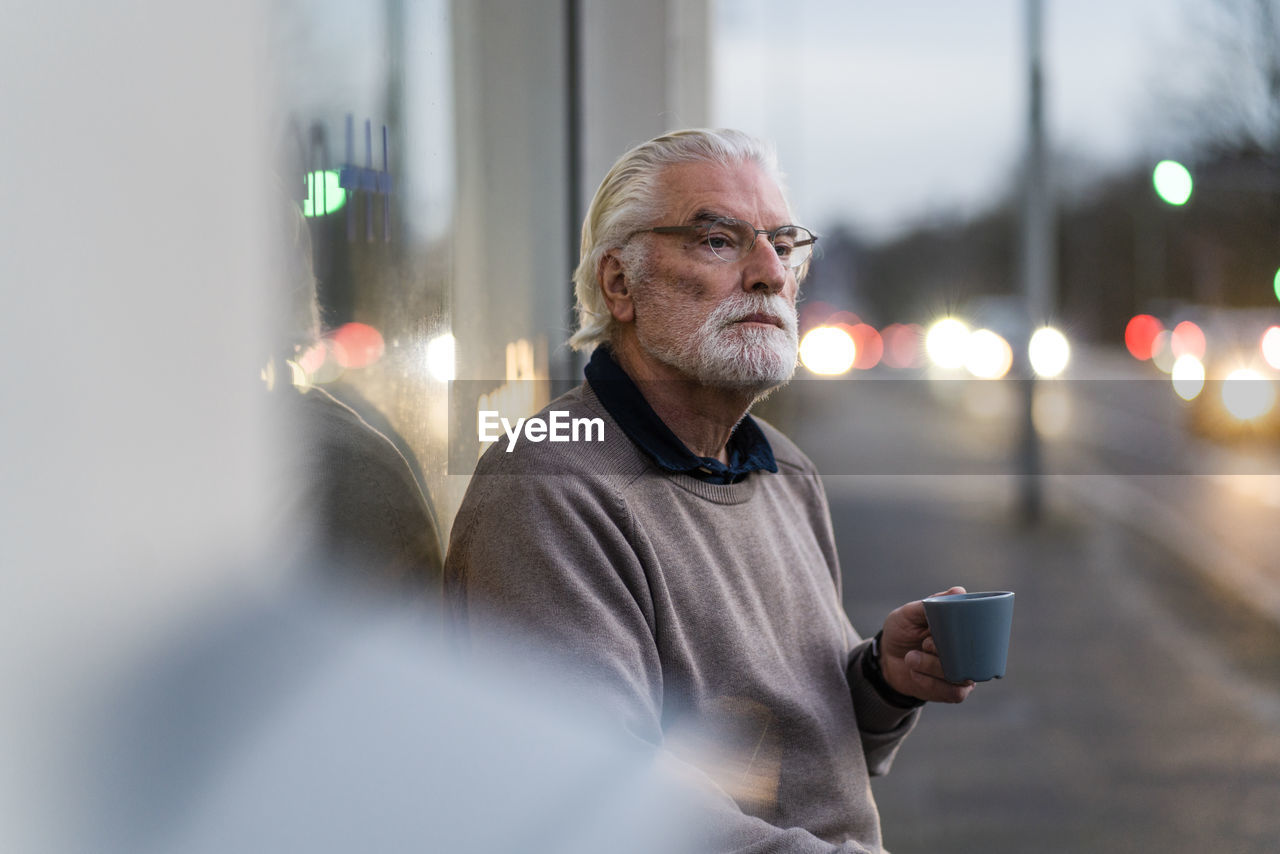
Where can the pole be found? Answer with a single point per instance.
(1037, 263)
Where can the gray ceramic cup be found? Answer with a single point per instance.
(971, 631)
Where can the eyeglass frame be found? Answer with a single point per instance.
(708, 224)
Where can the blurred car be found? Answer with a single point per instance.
(1239, 394)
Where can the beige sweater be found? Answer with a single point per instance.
(704, 619)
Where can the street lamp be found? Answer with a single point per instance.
(1172, 181)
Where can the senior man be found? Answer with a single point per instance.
(683, 570)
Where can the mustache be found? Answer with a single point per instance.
(739, 307)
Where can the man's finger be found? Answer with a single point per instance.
(925, 664)
(950, 592)
(928, 666)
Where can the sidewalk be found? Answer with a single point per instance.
(1121, 725)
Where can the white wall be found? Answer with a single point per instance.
(131, 263)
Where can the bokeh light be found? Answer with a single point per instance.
(869, 346)
(989, 356)
(1140, 336)
(1048, 351)
(1271, 347)
(1247, 394)
(827, 350)
(902, 345)
(1187, 338)
(312, 358)
(441, 358)
(320, 363)
(358, 345)
(1172, 181)
(1161, 351)
(947, 343)
(1188, 376)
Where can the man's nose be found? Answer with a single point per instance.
(765, 270)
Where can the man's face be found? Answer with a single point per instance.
(720, 323)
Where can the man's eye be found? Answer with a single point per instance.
(720, 240)
(783, 248)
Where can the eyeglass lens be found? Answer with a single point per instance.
(732, 239)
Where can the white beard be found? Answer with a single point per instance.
(725, 354)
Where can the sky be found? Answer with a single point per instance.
(888, 113)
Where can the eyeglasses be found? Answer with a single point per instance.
(732, 239)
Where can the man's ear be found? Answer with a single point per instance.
(616, 288)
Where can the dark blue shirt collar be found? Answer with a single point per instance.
(748, 448)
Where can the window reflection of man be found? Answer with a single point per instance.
(353, 490)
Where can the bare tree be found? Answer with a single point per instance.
(1222, 87)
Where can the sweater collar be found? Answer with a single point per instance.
(748, 448)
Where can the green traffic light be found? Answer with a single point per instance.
(1172, 182)
(1276, 284)
(329, 198)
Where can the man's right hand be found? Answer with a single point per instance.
(909, 657)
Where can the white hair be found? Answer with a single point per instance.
(627, 201)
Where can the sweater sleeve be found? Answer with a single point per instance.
(881, 725)
(553, 561)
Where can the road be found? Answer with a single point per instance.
(1141, 711)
